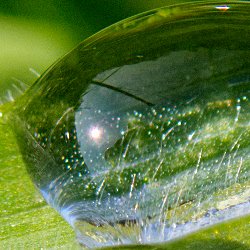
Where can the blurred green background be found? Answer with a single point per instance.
(34, 34)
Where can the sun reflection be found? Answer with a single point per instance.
(95, 133)
(222, 8)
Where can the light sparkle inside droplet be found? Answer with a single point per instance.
(222, 8)
(96, 133)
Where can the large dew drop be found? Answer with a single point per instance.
(142, 133)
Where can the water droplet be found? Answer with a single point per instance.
(142, 133)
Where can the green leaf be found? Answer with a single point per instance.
(27, 222)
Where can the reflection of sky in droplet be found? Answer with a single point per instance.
(100, 121)
(102, 117)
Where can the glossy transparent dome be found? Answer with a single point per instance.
(141, 134)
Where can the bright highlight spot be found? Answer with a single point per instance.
(223, 8)
(95, 133)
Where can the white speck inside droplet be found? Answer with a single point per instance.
(67, 135)
(223, 8)
(190, 136)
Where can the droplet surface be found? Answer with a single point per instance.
(141, 134)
